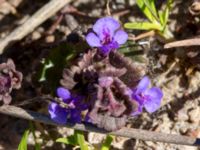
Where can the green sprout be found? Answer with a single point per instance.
(77, 139)
(157, 19)
(23, 142)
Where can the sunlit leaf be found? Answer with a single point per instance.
(81, 140)
(142, 26)
(141, 4)
(77, 139)
(47, 64)
(23, 142)
(150, 4)
(161, 17)
(107, 143)
(71, 140)
(166, 16)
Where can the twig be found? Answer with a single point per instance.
(184, 43)
(142, 36)
(108, 8)
(125, 132)
(163, 77)
(121, 13)
(38, 18)
(72, 10)
(55, 24)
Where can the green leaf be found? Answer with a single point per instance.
(107, 143)
(77, 139)
(162, 17)
(47, 65)
(141, 4)
(32, 129)
(62, 140)
(150, 4)
(134, 51)
(169, 4)
(51, 69)
(166, 16)
(81, 140)
(37, 146)
(143, 26)
(71, 140)
(23, 142)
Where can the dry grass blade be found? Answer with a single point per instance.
(38, 18)
(125, 132)
(183, 43)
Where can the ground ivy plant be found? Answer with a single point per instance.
(104, 87)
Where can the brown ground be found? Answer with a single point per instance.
(171, 69)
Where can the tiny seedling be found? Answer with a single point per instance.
(23, 142)
(158, 19)
(77, 139)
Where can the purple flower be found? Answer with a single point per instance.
(108, 35)
(72, 113)
(150, 99)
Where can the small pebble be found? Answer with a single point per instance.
(36, 35)
(194, 115)
(50, 39)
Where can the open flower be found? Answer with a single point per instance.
(73, 110)
(107, 35)
(150, 99)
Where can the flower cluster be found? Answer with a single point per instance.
(104, 90)
(9, 79)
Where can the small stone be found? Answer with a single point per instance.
(50, 39)
(150, 144)
(122, 142)
(36, 35)
(182, 115)
(65, 132)
(15, 3)
(194, 115)
(95, 138)
(190, 148)
(193, 133)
